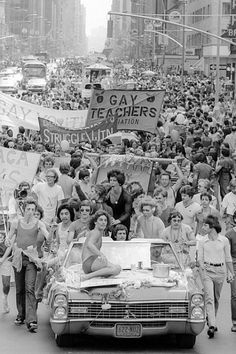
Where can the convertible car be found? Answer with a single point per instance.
(152, 296)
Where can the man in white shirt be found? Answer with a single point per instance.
(228, 205)
(213, 256)
(49, 195)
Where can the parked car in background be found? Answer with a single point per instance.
(152, 296)
(10, 78)
(8, 84)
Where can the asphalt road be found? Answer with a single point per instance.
(16, 340)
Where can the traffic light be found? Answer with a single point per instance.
(228, 71)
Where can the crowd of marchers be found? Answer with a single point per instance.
(191, 200)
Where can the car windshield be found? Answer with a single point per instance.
(127, 253)
(163, 254)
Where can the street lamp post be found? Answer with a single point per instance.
(217, 36)
(166, 35)
(183, 49)
(217, 88)
(113, 13)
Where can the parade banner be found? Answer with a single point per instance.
(134, 167)
(16, 166)
(134, 110)
(52, 134)
(26, 114)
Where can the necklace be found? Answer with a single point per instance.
(114, 196)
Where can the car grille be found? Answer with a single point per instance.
(102, 324)
(119, 310)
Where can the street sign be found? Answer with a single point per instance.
(175, 16)
(229, 33)
(222, 66)
(189, 51)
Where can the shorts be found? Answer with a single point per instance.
(6, 268)
(87, 264)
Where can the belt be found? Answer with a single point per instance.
(214, 264)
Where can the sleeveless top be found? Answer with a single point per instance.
(63, 234)
(26, 237)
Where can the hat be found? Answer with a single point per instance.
(87, 147)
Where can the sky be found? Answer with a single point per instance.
(96, 13)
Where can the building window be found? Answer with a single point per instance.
(208, 9)
(226, 8)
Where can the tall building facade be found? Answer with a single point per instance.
(182, 46)
(55, 26)
(212, 16)
(134, 37)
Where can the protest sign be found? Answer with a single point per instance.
(26, 114)
(52, 134)
(134, 167)
(16, 166)
(134, 110)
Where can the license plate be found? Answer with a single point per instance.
(128, 330)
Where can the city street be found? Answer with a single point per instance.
(118, 176)
(18, 340)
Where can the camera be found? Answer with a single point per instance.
(20, 193)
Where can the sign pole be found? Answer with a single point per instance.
(217, 92)
(183, 48)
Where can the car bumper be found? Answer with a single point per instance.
(108, 328)
(36, 89)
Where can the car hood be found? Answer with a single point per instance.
(130, 286)
(129, 294)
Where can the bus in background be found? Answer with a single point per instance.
(34, 76)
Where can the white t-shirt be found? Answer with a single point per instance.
(229, 203)
(48, 198)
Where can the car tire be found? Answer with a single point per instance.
(64, 340)
(185, 341)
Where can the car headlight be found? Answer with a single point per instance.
(60, 300)
(60, 312)
(197, 300)
(197, 313)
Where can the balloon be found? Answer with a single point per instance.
(64, 145)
